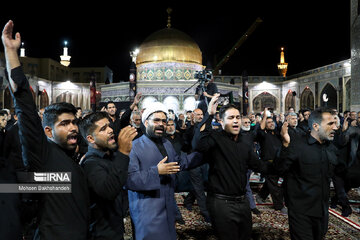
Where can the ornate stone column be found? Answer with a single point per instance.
(355, 55)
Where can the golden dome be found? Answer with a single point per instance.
(169, 45)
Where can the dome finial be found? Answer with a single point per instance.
(169, 10)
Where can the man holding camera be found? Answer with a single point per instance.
(204, 95)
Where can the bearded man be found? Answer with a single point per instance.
(151, 179)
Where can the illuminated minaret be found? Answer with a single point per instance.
(65, 58)
(22, 50)
(282, 66)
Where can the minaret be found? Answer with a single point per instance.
(22, 50)
(65, 58)
(282, 66)
(169, 10)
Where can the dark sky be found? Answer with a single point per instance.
(314, 33)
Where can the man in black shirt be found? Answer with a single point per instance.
(106, 164)
(205, 95)
(307, 164)
(270, 144)
(229, 158)
(48, 149)
(177, 142)
(197, 175)
(3, 121)
(248, 136)
(303, 125)
(115, 120)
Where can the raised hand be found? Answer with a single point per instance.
(137, 98)
(167, 168)
(213, 104)
(136, 101)
(11, 47)
(125, 138)
(285, 134)
(7, 37)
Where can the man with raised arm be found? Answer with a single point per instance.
(48, 148)
(229, 157)
(307, 163)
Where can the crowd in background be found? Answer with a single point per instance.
(132, 161)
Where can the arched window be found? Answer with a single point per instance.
(264, 100)
(331, 95)
(307, 99)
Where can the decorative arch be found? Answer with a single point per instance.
(68, 97)
(264, 100)
(147, 101)
(307, 99)
(171, 102)
(331, 93)
(189, 103)
(290, 100)
(44, 99)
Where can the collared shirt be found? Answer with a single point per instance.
(270, 143)
(228, 160)
(307, 167)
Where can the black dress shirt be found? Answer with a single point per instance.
(228, 160)
(270, 144)
(307, 167)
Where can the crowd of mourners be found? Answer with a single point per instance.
(132, 162)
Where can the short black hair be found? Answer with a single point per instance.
(3, 113)
(304, 110)
(87, 124)
(52, 112)
(316, 116)
(107, 104)
(224, 108)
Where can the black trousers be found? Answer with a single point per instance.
(271, 186)
(304, 227)
(231, 220)
(341, 190)
(197, 180)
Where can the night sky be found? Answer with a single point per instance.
(314, 33)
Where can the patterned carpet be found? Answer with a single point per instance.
(270, 224)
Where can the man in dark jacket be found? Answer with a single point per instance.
(48, 149)
(307, 164)
(106, 165)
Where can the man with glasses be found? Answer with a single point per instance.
(151, 180)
